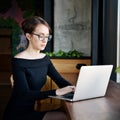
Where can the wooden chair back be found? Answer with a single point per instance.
(11, 80)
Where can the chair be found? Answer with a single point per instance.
(11, 80)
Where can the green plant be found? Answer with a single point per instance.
(16, 31)
(63, 54)
(117, 70)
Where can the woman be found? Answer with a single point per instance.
(30, 68)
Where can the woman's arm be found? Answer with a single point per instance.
(22, 89)
(65, 86)
(56, 77)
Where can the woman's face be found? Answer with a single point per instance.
(39, 37)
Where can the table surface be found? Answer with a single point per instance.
(104, 108)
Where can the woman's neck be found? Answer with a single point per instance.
(33, 53)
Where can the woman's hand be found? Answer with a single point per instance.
(65, 90)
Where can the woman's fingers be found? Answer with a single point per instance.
(65, 90)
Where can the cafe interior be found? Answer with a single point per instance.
(86, 30)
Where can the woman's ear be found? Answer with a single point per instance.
(28, 36)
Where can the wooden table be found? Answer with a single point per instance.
(104, 108)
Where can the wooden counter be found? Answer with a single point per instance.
(104, 108)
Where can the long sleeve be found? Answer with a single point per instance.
(29, 77)
(24, 89)
(56, 77)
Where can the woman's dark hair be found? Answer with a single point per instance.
(29, 24)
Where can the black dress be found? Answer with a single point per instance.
(29, 77)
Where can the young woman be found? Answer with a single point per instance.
(30, 69)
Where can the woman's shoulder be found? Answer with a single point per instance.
(20, 55)
(22, 60)
(24, 55)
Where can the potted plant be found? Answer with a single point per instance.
(15, 31)
(63, 54)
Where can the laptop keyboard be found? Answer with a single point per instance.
(69, 95)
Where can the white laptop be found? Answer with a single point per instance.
(92, 83)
